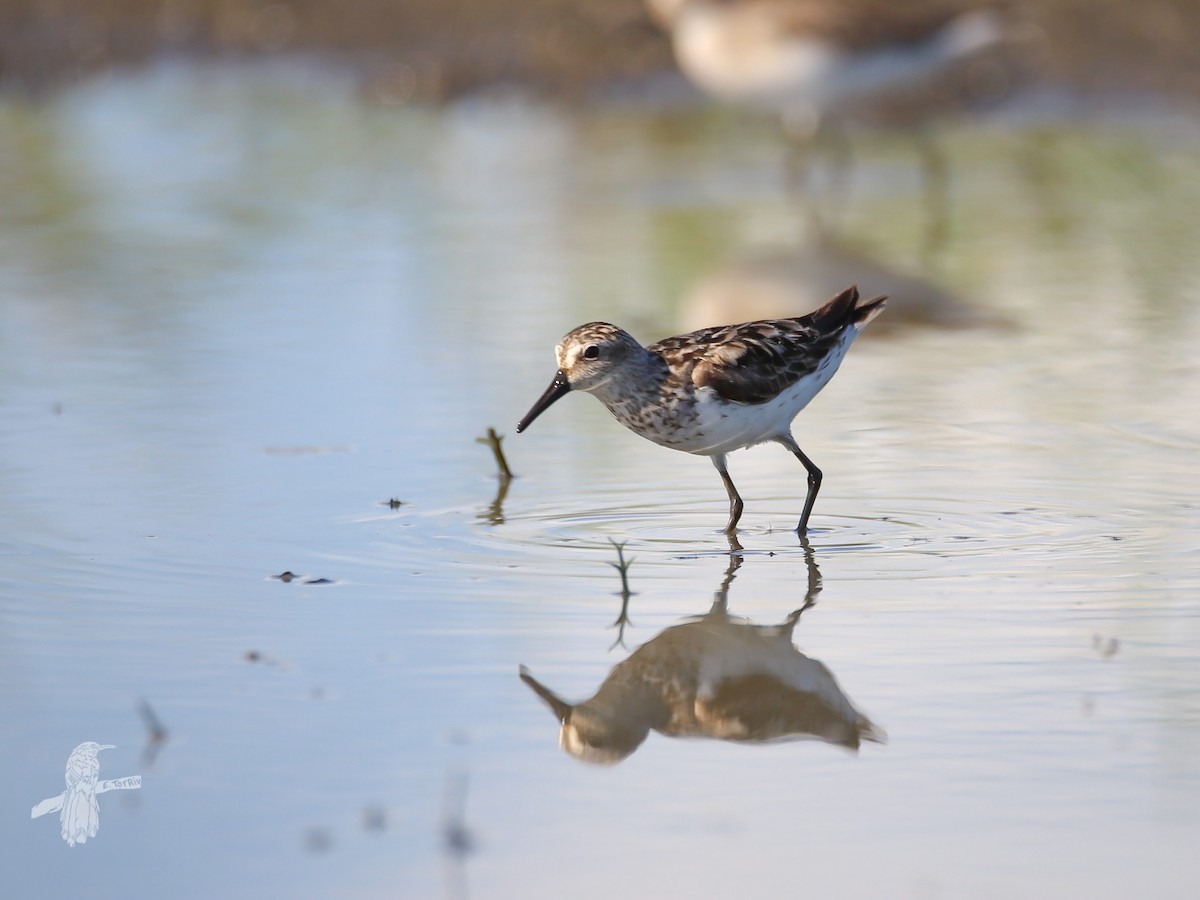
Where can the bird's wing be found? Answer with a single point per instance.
(754, 361)
(748, 363)
(760, 361)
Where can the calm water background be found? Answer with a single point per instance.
(242, 309)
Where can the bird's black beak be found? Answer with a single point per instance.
(558, 387)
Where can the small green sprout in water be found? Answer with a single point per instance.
(493, 440)
(622, 566)
(494, 514)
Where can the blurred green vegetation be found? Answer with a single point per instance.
(433, 49)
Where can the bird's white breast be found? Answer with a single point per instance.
(740, 56)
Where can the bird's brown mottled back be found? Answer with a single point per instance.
(754, 361)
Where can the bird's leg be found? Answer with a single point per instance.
(824, 189)
(814, 587)
(735, 500)
(814, 577)
(801, 128)
(841, 154)
(799, 131)
(935, 174)
(814, 485)
(800, 174)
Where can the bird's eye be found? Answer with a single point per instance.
(592, 351)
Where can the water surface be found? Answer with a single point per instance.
(241, 310)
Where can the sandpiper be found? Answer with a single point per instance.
(809, 58)
(716, 390)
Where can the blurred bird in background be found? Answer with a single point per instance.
(810, 59)
(821, 64)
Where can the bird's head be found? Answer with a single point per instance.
(590, 734)
(587, 358)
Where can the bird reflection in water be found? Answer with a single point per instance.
(715, 676)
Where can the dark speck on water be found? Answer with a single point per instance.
(317, 840)
(374, 818)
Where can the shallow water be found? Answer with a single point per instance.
(241, 310)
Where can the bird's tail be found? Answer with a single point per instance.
(846, 309)
(971, 32)
(80, 817)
